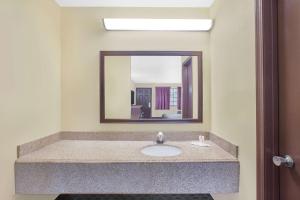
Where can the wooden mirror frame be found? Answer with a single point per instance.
(150, 53)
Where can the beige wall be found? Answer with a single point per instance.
(117, 87)
(83, 36)
(29, 80)
(233, 86)
(35, 41)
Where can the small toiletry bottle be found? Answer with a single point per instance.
(201, 139)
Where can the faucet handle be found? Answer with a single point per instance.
(160, 138)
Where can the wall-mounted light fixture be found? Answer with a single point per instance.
(134, 24)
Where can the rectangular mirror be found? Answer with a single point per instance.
(151, 86)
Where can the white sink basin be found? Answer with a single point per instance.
(161, 150)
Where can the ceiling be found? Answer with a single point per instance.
(135, 3)
(156, 69)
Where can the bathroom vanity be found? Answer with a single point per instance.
(113, 163)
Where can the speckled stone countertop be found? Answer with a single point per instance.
(86, 151)
(112, 163)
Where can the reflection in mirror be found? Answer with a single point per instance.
(151, 88)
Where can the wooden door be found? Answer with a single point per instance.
(187, 89)
(144, 98)
(289, 95)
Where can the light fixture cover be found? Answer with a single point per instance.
(138, 24)
(137, 3)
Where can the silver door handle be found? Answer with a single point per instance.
(285, 161)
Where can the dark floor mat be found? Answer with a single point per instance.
(135, 197)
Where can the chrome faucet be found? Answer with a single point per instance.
(160, 138)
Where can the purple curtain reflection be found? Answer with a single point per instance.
(162, 98)
(179, 98)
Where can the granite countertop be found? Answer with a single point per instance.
(112, 163)
(98, 151)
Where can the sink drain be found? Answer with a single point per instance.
(135, 197)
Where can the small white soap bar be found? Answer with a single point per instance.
(200, 144)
